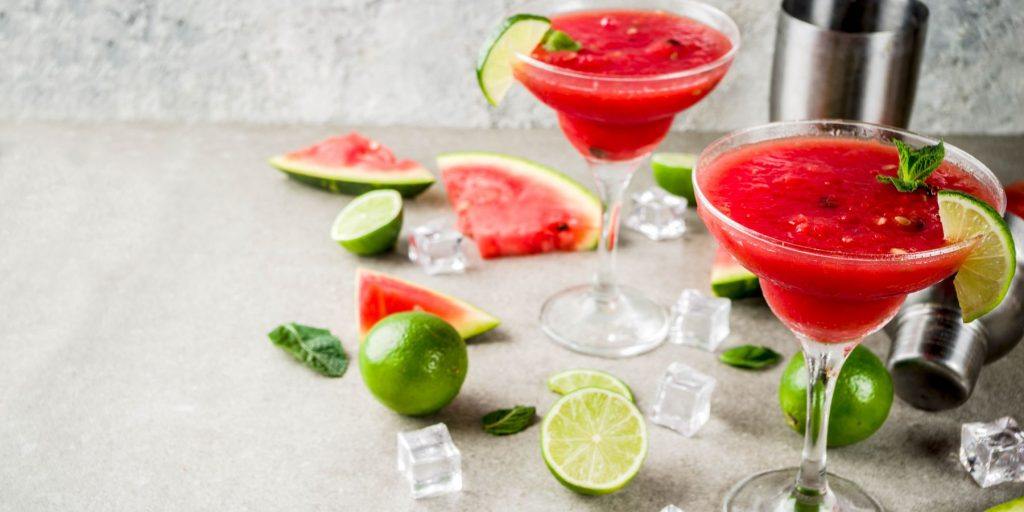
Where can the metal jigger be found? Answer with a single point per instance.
(935, 358)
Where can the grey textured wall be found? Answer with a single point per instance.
(409, 62)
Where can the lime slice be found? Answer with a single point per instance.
(672, 172)
(1016, 505)
(370, 223)
(985, 276)
(594, 441)
(568, 381)
(520, 33)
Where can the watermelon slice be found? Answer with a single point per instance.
(730, 279)
(353, 164)
(511, 206)
(379, 295)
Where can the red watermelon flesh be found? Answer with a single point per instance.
(510, 206)
(379, 295)
(1015, 198)
(352, 149)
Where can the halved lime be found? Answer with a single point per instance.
(568, 381)
(985, 276)
(370, 223)
(520, 33)
(594, 441)
(673, 171)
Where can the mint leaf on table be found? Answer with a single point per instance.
(751, 357)
(915, 165)
(317, 348)
(557, 41)
(508, 421)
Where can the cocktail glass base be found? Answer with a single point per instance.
(772, 491)
(620, 322)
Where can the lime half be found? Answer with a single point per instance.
(594, 441)
(517, 34)
(568, 381)
(370, 223)
(985, 276)
(673, 171)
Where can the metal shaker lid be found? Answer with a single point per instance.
(935, 358)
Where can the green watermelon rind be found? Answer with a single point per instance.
(733, 281)
(475, 322)
(353, 180)
(573, 190)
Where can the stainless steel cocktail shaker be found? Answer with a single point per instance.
(847, 59)
(935, 358)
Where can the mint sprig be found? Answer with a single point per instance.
(316, 348)
(556, 41)
(750, 357)
(915, 165)
(504, 422)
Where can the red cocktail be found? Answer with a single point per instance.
(837, 252)
(651, 65)
(821, 194)
(616, 95)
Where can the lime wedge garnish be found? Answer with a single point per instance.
(370, 223)
(520, 33)
(985, 276)
(568, 381)
(673, 171)
(594, 441)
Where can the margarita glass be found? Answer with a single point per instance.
(615, 108)
(845, 282)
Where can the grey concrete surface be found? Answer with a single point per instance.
(143, 266)
(410, 62)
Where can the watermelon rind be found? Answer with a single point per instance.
(729, 279)
(353, 180)
(574, 193)
(474, 321)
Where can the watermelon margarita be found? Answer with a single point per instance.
(615, 89)
(837, 251)
(616, 97)
(820, 194)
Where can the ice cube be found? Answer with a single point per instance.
(993, 453)
(439, 248)
(683, 401)
(657, 214)
(671, 508)
(700, 320)
(429, 461)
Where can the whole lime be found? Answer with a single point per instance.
(861, 402)
(413, 362)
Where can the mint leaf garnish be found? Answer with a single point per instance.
(317, 348)
(557, 41)
(915, 165)
(750, 357)
(509, 421)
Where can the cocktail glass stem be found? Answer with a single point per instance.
(612, 180)
(823, 362)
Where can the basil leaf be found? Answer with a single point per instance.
(556, 41)
(317, 348)
(508, 421)
(750, 356)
